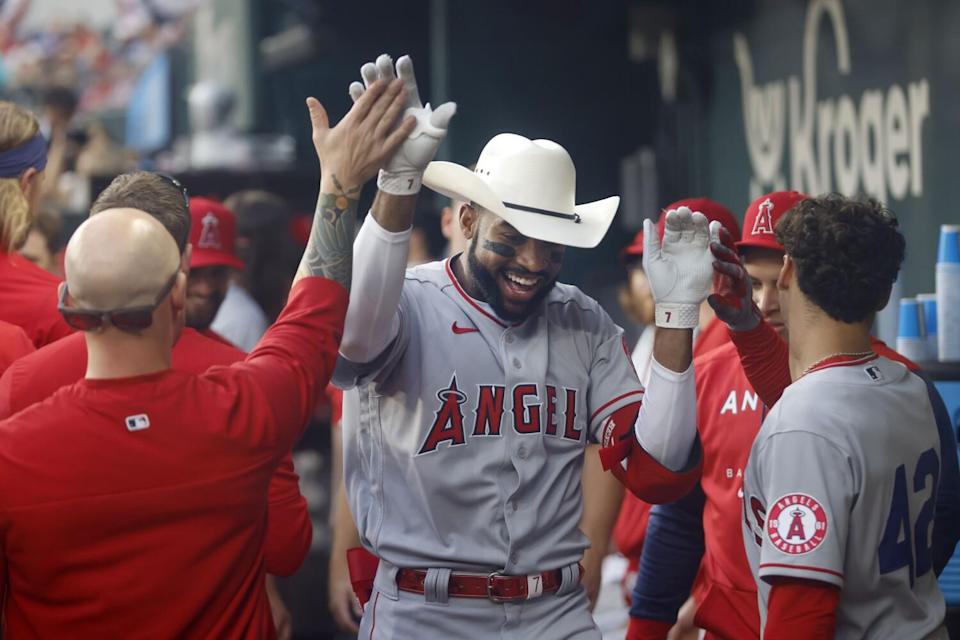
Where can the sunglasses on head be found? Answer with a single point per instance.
(183, 190)
(130, 319)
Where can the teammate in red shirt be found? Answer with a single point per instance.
(28, 294)
(145, 506)
(631, 525)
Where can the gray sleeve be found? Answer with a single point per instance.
(349, 374)
(809, 488)
(613, 380)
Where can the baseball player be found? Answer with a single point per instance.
(841, 482)
(476, 382)
(729, 415)
(28, 294)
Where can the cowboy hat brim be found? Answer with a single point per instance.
(594, 218)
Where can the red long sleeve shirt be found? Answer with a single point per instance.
(139, 504)
(29, 296)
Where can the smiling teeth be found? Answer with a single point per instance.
(527, 282)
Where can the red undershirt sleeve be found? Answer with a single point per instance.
(801, 610)
(622, 455)
(766, 360)
(645, 629)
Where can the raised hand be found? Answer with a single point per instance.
(358, 146)
(680, 270)
(403, 171)
(732, 299)
(350, 154)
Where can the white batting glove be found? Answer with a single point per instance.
(402, 174)
(681, 270)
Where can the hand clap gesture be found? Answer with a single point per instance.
(404, 169)
(351, 152)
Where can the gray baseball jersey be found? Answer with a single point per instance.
(840, 487)
(464, 440)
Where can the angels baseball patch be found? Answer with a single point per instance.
(796, 524)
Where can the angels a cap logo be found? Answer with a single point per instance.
(796, 524)
(210, 234)
(764, 221)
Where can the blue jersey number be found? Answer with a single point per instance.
(903, 545)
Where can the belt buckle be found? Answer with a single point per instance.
(490, 595)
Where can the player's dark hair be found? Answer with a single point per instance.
(847, 253)
(152, 193)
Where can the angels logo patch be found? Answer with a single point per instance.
(796, 524)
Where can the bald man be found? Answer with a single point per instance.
(145, 510)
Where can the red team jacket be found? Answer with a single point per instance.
(729, 415)
(29, 297)
(139, 503)
(39, 375)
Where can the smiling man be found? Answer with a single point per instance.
(212, 235)
(475, 385)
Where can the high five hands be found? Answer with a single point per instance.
(403, 171)
(352, 152)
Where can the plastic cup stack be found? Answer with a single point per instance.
(911, 342)
(928, 308)
(948, 293)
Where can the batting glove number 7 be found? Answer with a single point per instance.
(680, 270)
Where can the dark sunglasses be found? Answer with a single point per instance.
(130, 319)
(183, 190)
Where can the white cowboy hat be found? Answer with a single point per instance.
(532, 185)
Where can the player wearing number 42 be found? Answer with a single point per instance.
(840, 487)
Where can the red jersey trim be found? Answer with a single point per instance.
(594, 415)
(471, 301)
(801, 567)
(842, 361)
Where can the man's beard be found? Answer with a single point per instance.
(201, 320)
(490, 288)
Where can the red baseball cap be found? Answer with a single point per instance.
(760, 220)
(634, 249)
(213, 233)
(710, 208)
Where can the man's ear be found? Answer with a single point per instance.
(786, 273)
(186, 258)
(469, 221)
(178, 295)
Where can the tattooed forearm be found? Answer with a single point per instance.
(329, 252)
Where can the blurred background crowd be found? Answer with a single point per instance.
(655, 101)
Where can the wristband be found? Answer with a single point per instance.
(399, 184)
(671, 315)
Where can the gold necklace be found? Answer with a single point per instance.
(855, 355)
